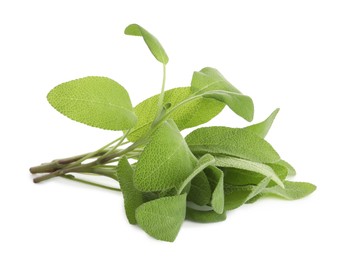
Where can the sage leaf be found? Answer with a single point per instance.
(234, 176)
(236, 142)
(290, 170)
(210, 79)
(152, 43)
(94, 101)
(236, 196)
(216, 179)
(165, 162)
(200, 191)
(291, 191)
(193, 113)
(202, 163)
(162, 218)
(262, 128)
(209, 216)
(212, 84)
(280, 171)
(254, 199)
(132, 197)
(232, 162)
(258, 188)
(240, 104)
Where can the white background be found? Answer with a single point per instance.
(287, 54)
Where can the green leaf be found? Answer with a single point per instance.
(254, 199)
(216, 179)
(235, 142)
(290, 170)
(292, 190)
(200, 192)
(212, 84)
(152, 43)
(234, 176)
(210, 79)
(132, 197)
(240, 104)
(95, 101)
(165, 162)
(281, 172)
(258, 188)
(236, 196)
(193, 113)
(209, 216)
(262, 128)
(162, 218)
(232, 162)
(202, 163)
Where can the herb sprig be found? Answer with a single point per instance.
(164, 177)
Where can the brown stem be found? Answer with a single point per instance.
(46, 167)
(59, 163)
(86, 167)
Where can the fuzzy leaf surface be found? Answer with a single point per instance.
(248, 166)
(162, 218)
(292, 190)
(216, 180)
(152, 43)
(212, 84)
(95, 101)
(202, 163)
(132, 197)
(290, 170)
(240, 104)
(193, 113)
(165, 162)
(209, 216)
(200, 191)
(262, 128)
(236, 196)
(236, 142)
(234, 176)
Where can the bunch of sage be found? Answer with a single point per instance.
(164, 177)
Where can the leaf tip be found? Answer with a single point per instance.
(249, 115)
(132, 29)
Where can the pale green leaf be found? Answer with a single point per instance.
(193, 113)
(208, 79)
(232, 162)
(165, 162)
(290, 170)
(262, 128)
(233, 142)
(132, 197)
(240, 104)
(236, 196)
(152, 43)
(209, 216)
(281, 172)
(212, 84)
(162, 218)
(254, 199)
(202, 163)
(95, 101)
(162, 112)
(235, 176)
(216, 180)
(200, 191)
(292, 190)
(258, 188)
